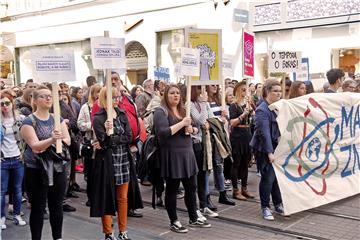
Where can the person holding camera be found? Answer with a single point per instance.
(241, 113)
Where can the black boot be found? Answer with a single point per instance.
(210, 204)
(224, 199)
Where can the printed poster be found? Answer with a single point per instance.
(190, 62)
(248, 54)
(108, 53)
(208, 41)
(50, 65)
(317, 160)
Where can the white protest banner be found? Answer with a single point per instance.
(317, 159)
(284, 61)
(190, 62)
(303, 73)
(108, 53)
(50, 65)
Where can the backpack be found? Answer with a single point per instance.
(149, 161)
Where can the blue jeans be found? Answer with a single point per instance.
(268, 183)
(218, 167)
(12, 166)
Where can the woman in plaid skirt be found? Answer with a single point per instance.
(110, 180)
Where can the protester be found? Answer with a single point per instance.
(76, 96)
(90, 80)
(287, 86)
(125, 103)
(263, 143)
(111, 172)
(68, 113)
(228, 83)
(200, 112)
(24, 105)
(85, 126)
(39, 134)
(297, 89)
(348, 85)
(143, 100)
(252, 89)
(257, 97)
(136, 91)
(11, 165)
(215, 107)
(241, 113)
(335, 78)
(64, 88)
(178, 162)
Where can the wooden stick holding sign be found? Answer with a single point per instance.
(56, 107)
(109, 101)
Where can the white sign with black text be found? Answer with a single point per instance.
(190, 62)
(108, 53)
(50, 65)
(284, 61)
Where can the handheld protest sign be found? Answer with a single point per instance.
(109, 100)
(189, 66)
(53, 65)
(209, 42)
(56, 107)
(108, 53)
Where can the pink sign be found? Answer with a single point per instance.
(248, 52)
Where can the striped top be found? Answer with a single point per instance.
(215, 109)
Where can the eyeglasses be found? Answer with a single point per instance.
(276, 91)
(6, 103)
(244, 89)
(116, 98)
(45, 96)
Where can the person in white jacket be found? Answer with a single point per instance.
(85, 125)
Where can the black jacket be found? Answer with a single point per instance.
(102, 191)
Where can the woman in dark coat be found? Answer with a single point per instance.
(177, 158)
(111, 168)
(264, 143)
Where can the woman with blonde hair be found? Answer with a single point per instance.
(111, 168)
(241, 113)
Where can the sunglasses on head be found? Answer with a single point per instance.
(6, 103)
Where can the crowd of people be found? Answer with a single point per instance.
(223, 141)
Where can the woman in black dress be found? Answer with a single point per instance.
(241, 113)
(177, 157)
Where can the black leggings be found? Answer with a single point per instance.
(38, 193)
(172, 186)
(240, 169)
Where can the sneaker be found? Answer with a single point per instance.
(110, 237)
(177, 227)
(18, 220)
(207, 212)
(266, 212)
(279, 209)
(199, 223)
(200, 216)
(123, 235)
(2, 222)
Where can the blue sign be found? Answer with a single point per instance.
(161, 73)
(303, 74)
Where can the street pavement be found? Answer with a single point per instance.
(339, 220)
